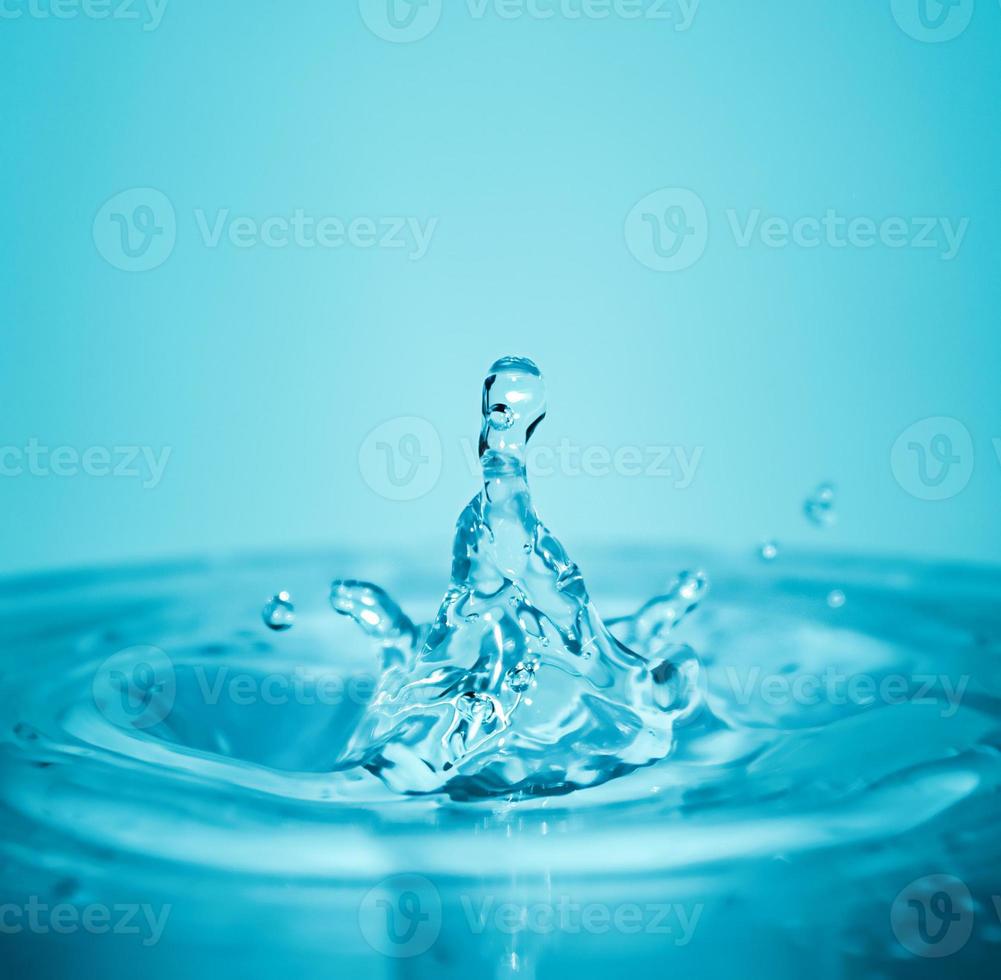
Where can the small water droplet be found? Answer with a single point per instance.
(769, 551)
(819, 506)
(693, 586)
(475, 707)
(279, 613)
(473, 618)
(835, 598)
(521, 677)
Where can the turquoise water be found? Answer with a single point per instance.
(793, 825)
(797, 771)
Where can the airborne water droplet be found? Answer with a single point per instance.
(819, 506)
(279, 613)
(769, 551)
(836, 598)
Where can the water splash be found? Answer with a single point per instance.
(133, 757)
(278, 613)
(518, 686)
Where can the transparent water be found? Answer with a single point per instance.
(517, 687)
(769, 784)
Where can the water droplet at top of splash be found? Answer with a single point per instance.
(768, 551)
(516, 621)
(278, 613)
(819, 506)
(836, 598)
(514, 403)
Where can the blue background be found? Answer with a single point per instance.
(530, 141)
